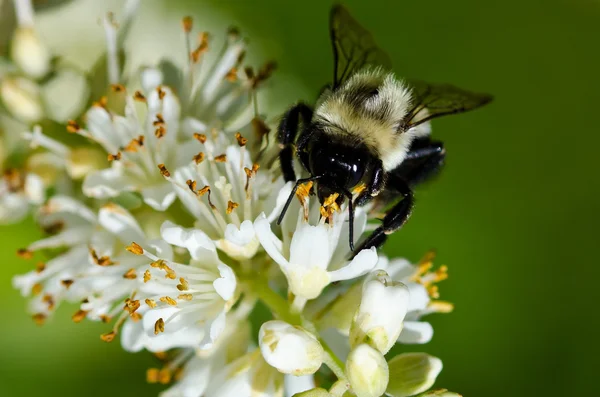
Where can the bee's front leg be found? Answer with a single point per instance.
(286, 135)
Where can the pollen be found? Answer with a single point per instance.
(40, 266)
(359, 188)
(114, 157)
(183, 284)
(160, 131)
(161, 92)
(67, 283)
(134, 144)
(147, 276)
(199, 158)
(158, 264)
(117, 87)
(231, 75)
(39, 318)
(49, 300)
(303, 191)
(221, 158)
(187, 23)
(159, 120)
(24, 253)
(150, 302)
(231, 206)
(131, 305)
(159, 326)
(168, 300)
(202, 47)
(101, 261)
(36, 289)
(138, 96)
(185, 297)
(240, 139)
(73, 127)
(79, 316)
(204, 190)
(163, 170)
(135, 317)
(108, 337)
(440, 306)
(152, 375)
(200, 137)
(105, 319)
(192, 185)
(135, 248)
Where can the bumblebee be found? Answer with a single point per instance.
(368, 136)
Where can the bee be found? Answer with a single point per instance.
(367, 138)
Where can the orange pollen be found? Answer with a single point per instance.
(159, 326)
(183, 284)
(109, 336)
(187, 24)
(168, 300)
(67, 283)
(114, 157)
(160, 131)
(303, 191)
(159, 263)
(161, 92)
(131, 305)
(73, 127)
(204, 190)
(105, 319)
(163, 170)
(221, 158)
(240, 139)
(117, 87)
(79, 316)
(49, 300)
(150, 302)
(231, 75)
(39, 318)
(138, 96)
(199, 158)
(147, 276)
(135, 317)
(159, 120)
(186, 297)
(24, 253)
(200, 137)
(231, 206)
(40, 266)
(191, 184)
(101, 261)
(135, 248)
(36, 289)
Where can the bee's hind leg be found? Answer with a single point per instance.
(395, 218)
(286, 135)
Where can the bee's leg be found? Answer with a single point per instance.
(395, 218)
(286, 135)
(422, 163)
(375, 186)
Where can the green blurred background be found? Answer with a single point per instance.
(514, 214)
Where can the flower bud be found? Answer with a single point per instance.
(413, 373)
(21, 97)
(290, 349)
(65, 95)
(367, 371)
(378, 320)
(28, 52)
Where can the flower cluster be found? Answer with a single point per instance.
(169, 236)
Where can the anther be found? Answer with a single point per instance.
(73, 127)
(159, 326)
(130, 274)
(159, 120)
(135, 248)
(150, 302)
(138, 96)
(147, 276)
(168, 300)
(161, 92)
(199, 158)
(39, 318)
(79, 316)
(221, 158)
(24, 253)
(160, 131)
(183, 284)
(200, 137)
(187, 24)
(117, 87)
(67, 283)
(192, 185)
(109, 336)
(163, 170)
(240, 139)
(114, 157)
(231, 206)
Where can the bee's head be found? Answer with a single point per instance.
(339, 166)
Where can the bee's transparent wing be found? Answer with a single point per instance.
(435, 100)
(353, 46)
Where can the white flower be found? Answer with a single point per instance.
(306, 258)
(378, 320)
(147, 143)
(19, 191)
(412, 373)
(239, 193)
(27, 50)
(421, 283)
(367, 371)
(184, 305)
(292, 350)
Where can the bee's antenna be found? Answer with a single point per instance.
(293, 193)
(350, 219)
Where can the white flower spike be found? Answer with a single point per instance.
(367, 371)
(292, 350)
(382, 309)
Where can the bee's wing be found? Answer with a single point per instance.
(353, 46)
(435, 100)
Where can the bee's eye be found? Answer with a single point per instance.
(373, 92)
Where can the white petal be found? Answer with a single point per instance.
(60, 204)
(159, 196)
(416, 332)
(214, 331)
(195, 241)
(269, 240)
(34, 189)
(106, 183)
(225, 285)
(298, 384)
(150, 79)
(242, 236)
(367, 371)
(419, 298)
(121, 223)
(13, 208)
(310, 247)
(362, 263)
(281, 196)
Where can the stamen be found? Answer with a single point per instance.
(187, 23)
(183, 284)
(159, 326)
(160, 131)
(117, 87)
(101, 261)
(147, 276)
(192, 185)
(67, 283)
(24, 253)
(240, 139)
(105, 319)
(150, 302)
(161, 92)
(200, 137)
(114, 157)
(79, 316)
(163, 170)
(440, 306)
(201, 49)
(199, 158)
(231, 206)
(108, 337)
(187, 297)
(40, 266)
(168, 300)
(138, 96)
(36, 289)
(135, 248)
(221, 158)
(231, 75)
(159, 120)
(39, 318)
(130, 274)
(131, 305)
